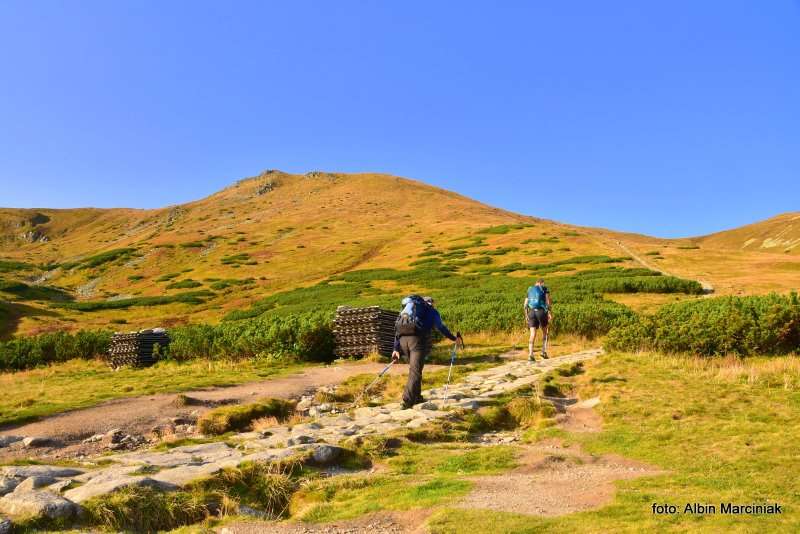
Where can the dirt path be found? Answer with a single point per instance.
(139, 415)
(411, 522)
(555, 479)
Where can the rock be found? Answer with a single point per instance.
(162, 431)
(326, 454)
(37, 504)
(7, 485)
(5, 441)
(36, 441)
(94, 439)
(25, 471)
(6, 527)
(102, 485)
(35, 482)
(185, 474)
(203, 453)
(588, 403)
(324, 407)
(183, 420)
(299, 440)
(405, 415)
(426, 406)
(252, 512)
(468, 404)
(60, 486)
(113, 437)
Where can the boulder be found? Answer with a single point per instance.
(35, 482)
(426, 406)
(37, 441)
(59, 486)
(5, 441)
(25, 471)
(8, 484)
(37, 504)
(299, 440)
(106, 484)
(326, 454)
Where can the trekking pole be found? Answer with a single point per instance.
(450, 372)
(385, 369)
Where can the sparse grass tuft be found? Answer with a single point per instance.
(236, 418)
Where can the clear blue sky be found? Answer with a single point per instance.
(664, 117)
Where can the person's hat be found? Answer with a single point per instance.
(429, 300)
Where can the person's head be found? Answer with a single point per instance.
(540, 282)
(429, 300)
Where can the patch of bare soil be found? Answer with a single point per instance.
(581, 417)
(554, 479)
(410, 522)
(151, 415)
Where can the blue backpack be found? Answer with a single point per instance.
(537, 297)
(412, 319)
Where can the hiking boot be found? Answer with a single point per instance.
(544, 355)
(531, 358)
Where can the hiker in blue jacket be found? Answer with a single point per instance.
(538, 313)
(413, 339)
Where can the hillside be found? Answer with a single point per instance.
(84, 268)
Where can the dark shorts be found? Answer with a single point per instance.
(537, 318)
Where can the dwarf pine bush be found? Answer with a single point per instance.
(767, 324)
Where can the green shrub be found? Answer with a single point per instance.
(504, 228)
(228, 282)
(308, 337)
(28, 352)
(499, 251)
(25, 292)
(236, 259)
(238, 418)
(188, 297)
(724, 325)
(9, 266)
(184, 284)
(100, 259)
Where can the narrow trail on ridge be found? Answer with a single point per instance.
(707, 287)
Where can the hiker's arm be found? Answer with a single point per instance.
(525, 308)
(396, 349)
(437, 322)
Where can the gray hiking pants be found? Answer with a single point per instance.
(416, 349)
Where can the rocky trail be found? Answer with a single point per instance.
(555, 478)
(63, 435)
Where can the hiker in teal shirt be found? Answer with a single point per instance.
(538, 313)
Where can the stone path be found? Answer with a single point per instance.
(57, 492)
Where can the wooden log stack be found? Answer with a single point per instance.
(363, 331)
(137, 349)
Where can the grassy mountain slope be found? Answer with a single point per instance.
(260, 236)
(780, 234)
(87, 268)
